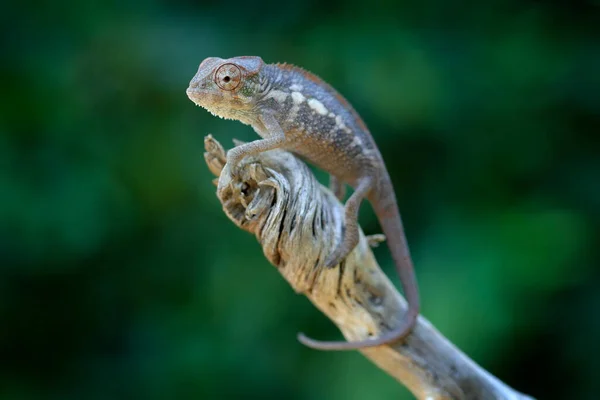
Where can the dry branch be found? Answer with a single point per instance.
(298, 222)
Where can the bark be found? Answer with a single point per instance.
(298, 222)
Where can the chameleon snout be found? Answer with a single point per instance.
(194, 93)
(196, 90)
(196, 84)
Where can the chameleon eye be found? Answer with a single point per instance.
(228, 76)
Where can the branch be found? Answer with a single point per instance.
(298, 222)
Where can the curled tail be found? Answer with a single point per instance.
(383, 200)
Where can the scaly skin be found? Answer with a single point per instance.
(294, 110)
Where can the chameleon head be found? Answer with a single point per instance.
(227, 88)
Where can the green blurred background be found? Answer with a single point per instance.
(121, 278)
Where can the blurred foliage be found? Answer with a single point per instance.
(120, 277)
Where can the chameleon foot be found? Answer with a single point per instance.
(226, 178)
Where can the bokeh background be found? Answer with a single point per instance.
(120, 277)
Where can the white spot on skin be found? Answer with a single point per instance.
(339, 123)
(331, 115)
(296, 88)
(318, 106)
(278, 95)
(293, 113)
(298, 97)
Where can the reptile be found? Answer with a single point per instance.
(294, 110)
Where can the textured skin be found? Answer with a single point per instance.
(295, 110)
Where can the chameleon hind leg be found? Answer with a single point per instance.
(350, 239)
(348, 243)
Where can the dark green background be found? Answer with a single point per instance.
(120, 277)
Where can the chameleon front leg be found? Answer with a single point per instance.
(337, 187)
(276, 139)
(350, 239)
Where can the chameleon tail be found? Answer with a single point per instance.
(391, 222)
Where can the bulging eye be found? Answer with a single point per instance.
(228, 76)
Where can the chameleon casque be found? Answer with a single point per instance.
(295, 110)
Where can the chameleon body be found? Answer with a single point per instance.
(295, 110)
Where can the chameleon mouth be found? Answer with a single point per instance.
(194, 95)
(201, 97)
(216, 105)
(207, 101)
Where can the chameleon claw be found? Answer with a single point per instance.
(375, 240)
(226, 178)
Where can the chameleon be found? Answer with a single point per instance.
(293, 109)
